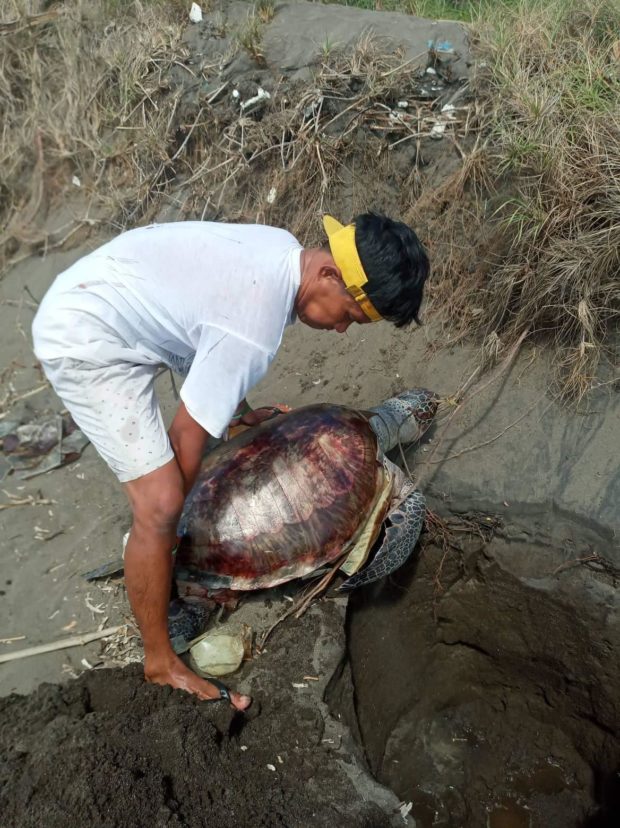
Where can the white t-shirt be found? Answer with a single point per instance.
(209, 300)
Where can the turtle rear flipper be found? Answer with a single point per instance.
(187, 619)
(400, 539)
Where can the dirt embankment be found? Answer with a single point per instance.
(108, 750)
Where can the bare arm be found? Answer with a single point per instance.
(188, 440)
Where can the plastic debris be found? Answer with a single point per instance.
(405, 810)
(271, 767)
(402, 104)
(195, 13)
(258, 100)
(33, 448)
(271, 197)
(218, 652)
(76, 181)
(441, 46)
(437, 131)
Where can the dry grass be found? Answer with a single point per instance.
(540, 196)
(83, 92)
(265, 9)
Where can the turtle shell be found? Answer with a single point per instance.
(280, 500)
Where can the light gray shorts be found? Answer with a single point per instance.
(116, 407)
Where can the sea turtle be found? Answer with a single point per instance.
(293, 494)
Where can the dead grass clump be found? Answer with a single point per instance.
(265, 9)
(83, 99)
(551, 196)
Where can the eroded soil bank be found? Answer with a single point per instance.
(486, 687)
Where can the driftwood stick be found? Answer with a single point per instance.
(62, 644)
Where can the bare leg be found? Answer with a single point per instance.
(156, 500)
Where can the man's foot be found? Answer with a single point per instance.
(176, 674)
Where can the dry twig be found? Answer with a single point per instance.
(299, 607)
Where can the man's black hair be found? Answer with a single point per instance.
(396, 265)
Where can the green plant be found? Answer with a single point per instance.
(250, 37)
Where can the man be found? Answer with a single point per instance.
(211, 301)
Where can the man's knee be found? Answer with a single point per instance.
(157, 501)
(165, 508)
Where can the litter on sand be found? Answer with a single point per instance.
(30, 449)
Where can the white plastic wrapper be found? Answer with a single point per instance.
(195, 13)
(261, 96)
(218, 653)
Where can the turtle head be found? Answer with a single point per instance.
(404, 418)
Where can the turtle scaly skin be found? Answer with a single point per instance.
(403, 419)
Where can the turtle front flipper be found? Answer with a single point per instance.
(400, 539)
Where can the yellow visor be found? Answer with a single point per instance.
(344, 251)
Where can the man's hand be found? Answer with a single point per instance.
(248, 417)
